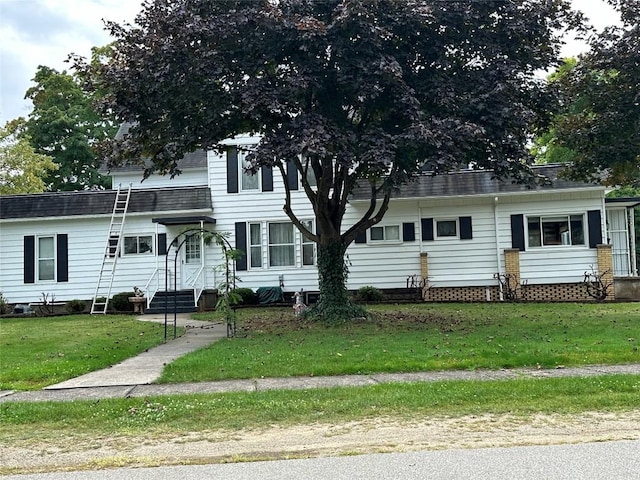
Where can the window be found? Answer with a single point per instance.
(556, 230)
(255, 245)
(446, 228)
(388, 233)
(192, 249)
(281, 245)
(308, 247)
(248, 181)
(138, 244)
(46, 258)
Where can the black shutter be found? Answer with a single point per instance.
(162, 244)
(62, 253)
(426, 225)
(408, 232)
(267, 178)
(466, 232)
(292, 175)
(232, 170)
(241, 244)
(517, 232)
(29, 259)
(361, 237)
(594, 220)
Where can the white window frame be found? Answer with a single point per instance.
(40, 258)
(436, 233)
(569, 233)
(242, 175)
(305, 242)
(386, 237)
(270, 245)
(138, 237)
(256, 246)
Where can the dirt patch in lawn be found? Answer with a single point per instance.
(367, 436)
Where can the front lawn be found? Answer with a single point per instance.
(40, 351)
(419, 337)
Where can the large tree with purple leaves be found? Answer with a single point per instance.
(359, 92)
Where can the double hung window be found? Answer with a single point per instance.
(248, 181)
(255, 245)
(281, 245)
(46, 258)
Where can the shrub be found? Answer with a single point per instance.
(120, 302)
(370, 294)
(75, 306)
(242, 296)
(4, 305)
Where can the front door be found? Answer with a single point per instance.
(191, 261)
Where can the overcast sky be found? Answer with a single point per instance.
(44, 32)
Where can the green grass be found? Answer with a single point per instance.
(175, 415)
(41, 351)
(420, 337)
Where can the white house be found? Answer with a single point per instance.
(457, 235)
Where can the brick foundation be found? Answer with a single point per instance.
(563, 292)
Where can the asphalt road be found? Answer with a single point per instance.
(590, 461)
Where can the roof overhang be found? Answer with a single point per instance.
(168, 221)
(630, 202)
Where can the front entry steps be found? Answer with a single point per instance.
(180, 301)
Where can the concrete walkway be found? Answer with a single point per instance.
(134, 377)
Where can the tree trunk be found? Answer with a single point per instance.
(334, 304)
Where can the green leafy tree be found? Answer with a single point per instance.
(601, 120)
(22, 170)
(65, 126)
(364, 93)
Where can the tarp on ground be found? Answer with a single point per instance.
(268, 295)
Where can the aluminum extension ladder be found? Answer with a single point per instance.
(111, 251)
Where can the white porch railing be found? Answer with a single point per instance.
(197, 283)
(156, 283)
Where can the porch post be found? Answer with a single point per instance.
(605, 268)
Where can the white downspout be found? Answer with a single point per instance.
(498, 261)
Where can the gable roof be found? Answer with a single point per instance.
(66, 204)
(192, 160)
(475, 182)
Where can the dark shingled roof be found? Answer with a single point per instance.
(192, 160)
(65, 204)
(474, 182)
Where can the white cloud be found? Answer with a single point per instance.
(45, 32)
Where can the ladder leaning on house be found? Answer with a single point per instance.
(111, 251)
